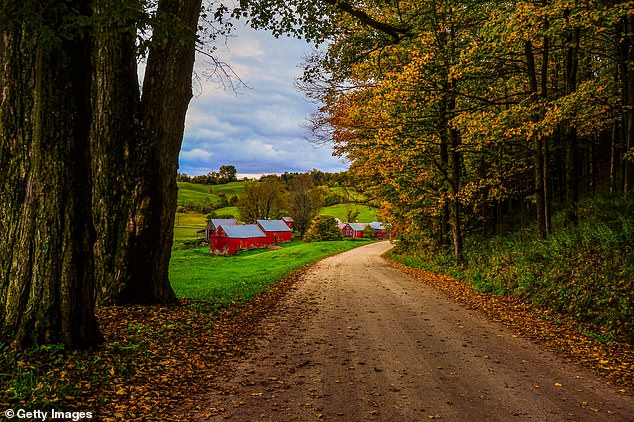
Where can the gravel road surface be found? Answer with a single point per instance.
(357, 340)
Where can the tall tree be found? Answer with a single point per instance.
(303, 201)
(262, 200)
(46, 232)
(135, 171)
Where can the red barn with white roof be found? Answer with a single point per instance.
(277, 231)
(227, 239)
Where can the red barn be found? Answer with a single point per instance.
(354, 230)
(227, 239)
(277, 231)
(380, 231)
(289, 222)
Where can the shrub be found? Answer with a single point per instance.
(323, 227)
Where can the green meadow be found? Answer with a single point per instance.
(222, 280)
(208, 193)
(367, 214)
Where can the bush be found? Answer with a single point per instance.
(323, 227)
(368, 232)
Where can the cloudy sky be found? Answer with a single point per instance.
(259, 129)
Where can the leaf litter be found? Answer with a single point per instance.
(156, 359)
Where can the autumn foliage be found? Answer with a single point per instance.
(485, 118)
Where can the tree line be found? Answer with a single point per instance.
(226, 174)
(467, 116)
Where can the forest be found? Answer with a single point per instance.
(498, 136)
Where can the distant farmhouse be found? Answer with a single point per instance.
(227, 236)
(356, 230)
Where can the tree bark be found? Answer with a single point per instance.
(537, 149)
(136, 192)
(46, 230)
(570, 132)
(165, 98)
(627, 87)
(118, 160)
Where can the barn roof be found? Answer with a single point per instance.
(274, 226)
(358, 226)
(215, 222)
(242, 231)
(287, 219)
(377, 225)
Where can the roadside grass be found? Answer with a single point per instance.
(585, 273)
(224, 280)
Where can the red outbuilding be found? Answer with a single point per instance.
(277, 231)
(289, 222)
(227, 239)
(354, 230)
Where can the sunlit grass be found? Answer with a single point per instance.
(196, 274)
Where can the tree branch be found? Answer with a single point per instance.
(395, 32)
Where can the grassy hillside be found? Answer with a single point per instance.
(229, 189)
(194, 192)
(207, 193)
(187, 224)
(367, 214)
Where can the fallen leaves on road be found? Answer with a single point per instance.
(561, 335)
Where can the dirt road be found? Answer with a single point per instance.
(357, 340)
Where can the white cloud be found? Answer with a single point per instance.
(196, 155)
(259, 129)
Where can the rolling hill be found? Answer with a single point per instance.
(188, 223)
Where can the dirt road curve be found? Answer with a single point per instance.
(357, 340)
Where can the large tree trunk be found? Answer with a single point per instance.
(118, 161)
(136, 193)
(46, 231)
(165, 98)
(627, 87)
(538, 148)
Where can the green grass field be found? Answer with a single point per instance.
(367, 214)
(221, 280)
(187, 224)
(208, 193)
(229, 189)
